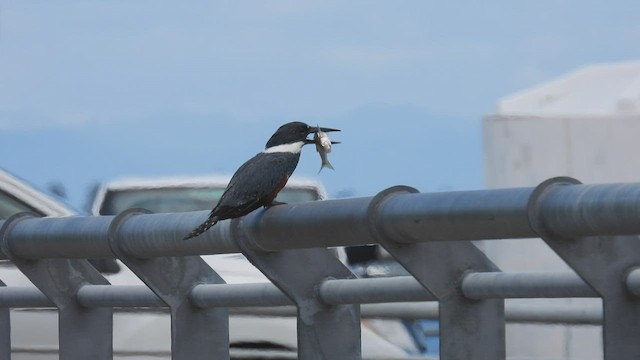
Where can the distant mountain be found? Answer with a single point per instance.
(381, 146)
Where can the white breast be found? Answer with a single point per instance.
(294, 148)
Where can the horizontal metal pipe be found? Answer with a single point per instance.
(118, 296)
(571, 210)
(205, 295)
(464, 215)
(514, 313)
(591, 210)
(374, 290)
(154, 235)
(525, 285)
(402, 310)
(553, 314)
(238, 295)
(51, 237)
(23, 296)
(354, 291)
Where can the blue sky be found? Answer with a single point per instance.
(94, 90)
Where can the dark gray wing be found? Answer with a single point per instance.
(256, 180)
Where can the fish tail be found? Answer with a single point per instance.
(211, 220)
(326, 164)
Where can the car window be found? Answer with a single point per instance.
(180, 199)
(9, 205)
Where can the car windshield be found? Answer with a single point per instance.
(9, 205)
(180, 199)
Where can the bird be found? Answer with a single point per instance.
(257, 182)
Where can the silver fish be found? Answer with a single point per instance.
(323, 147)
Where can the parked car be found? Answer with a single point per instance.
(146, 335)
(17, 196)
(179, 194)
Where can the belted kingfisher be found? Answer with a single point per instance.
(257, 182)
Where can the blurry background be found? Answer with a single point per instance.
(93, 90)
(436, 95)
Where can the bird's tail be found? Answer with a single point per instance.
(211, 220)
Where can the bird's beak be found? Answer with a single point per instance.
(323, 129)
(315, 129)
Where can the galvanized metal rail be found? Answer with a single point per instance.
(478, 286)
(416, 303)
(592, 227)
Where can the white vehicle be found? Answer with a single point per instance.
(179, 194)
(17, 196)
(146, 335)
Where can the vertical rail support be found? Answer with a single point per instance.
(84, 333)
(469, 329)
(196, 333)
(5, 331)
(325, 332)
(603, 262)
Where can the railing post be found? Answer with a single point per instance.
(5, 331)
(196, 333)
(469, 329)
(84, 333)
(325, 332)
(603, 262)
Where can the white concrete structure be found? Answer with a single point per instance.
(584, 125)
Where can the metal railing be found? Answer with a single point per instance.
(591, 227)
